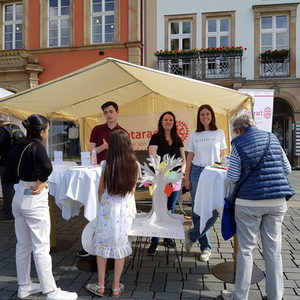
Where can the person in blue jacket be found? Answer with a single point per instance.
(260, 164)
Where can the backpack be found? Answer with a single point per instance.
(14, 132)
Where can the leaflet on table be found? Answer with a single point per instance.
(85, 158)
(217, 166)
(58, 157)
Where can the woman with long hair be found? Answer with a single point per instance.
(116, 211)
(206, 146)
(29, 166)
(167, 141)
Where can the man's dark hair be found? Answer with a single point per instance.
(108, 103)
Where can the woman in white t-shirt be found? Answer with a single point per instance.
(206, 146)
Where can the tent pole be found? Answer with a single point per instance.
(252, 109)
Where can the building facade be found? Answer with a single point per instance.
(265, 36)
(41, 40)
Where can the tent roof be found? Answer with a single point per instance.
(81, 93)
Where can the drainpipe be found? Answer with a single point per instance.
(143, 30)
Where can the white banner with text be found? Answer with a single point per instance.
(142, 126)
(263, 107)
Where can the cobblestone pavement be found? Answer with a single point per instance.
(159, 279)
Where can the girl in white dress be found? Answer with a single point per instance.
(116, 211)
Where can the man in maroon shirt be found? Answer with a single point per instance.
(100, 133)
(100, 136)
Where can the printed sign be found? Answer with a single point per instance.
(58, 157)
(85, 158)
(142, 126)
(263, 108)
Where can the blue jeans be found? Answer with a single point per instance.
(171, 204)
(194, 233)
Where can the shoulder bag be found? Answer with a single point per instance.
(228, 225)
(21, 156)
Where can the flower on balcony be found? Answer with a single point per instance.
(275, 54)
(222, 50)
(195, 51)
(176, 52)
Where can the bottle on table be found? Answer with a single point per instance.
(93, 157)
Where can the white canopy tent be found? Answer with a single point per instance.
(78, 96)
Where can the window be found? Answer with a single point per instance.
(218, 32)
(59, 30)
(274, 36)
(218, 35)
(64, 136)
(13, 34)
(274, 33)
(218, 29)
(180, 35)
(180, 32)
(103, 21)
(275, 28)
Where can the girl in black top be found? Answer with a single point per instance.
(166, 141)
(30, 166)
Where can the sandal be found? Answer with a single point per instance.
(93, 288)
(120, 290)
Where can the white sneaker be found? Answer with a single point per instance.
(28, 289)
(61, 295)
(227, 295)
(187, 243)
(204, 255)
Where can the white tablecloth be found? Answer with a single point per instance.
(79, 187)
(211, 190)
(56, 176)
